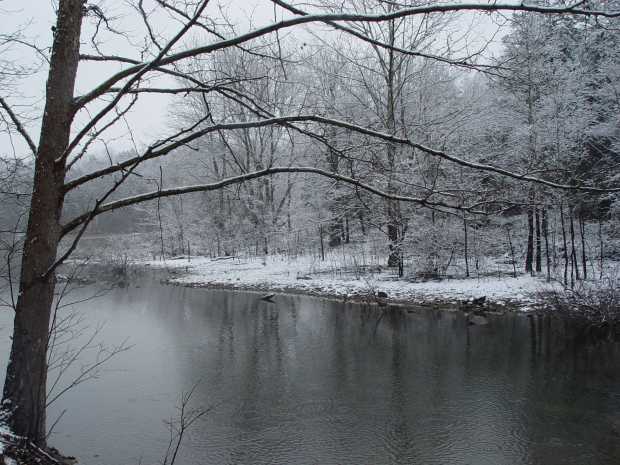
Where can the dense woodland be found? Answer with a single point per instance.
(398, 138)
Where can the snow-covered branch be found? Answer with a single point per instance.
(102, 208)
(164, 149)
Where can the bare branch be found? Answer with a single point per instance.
(129, 84)
(19, 126)
(344, 17)
(461, 62)
(71, 225)
(97, 133)
(163, 150)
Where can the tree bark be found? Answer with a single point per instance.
(584, 261)
(529, 258)
(336, 229)
(574, 264)
(392, 232)
(466, 246)
(565, 245)
(392, 207)
(24, 395)
(512, 254)
(545, 228)
(600, 241)
(538, 242)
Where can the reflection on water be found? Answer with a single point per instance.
(308, 381)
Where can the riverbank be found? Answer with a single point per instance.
(313, 277)
(15, 450)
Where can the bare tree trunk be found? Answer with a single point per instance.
(538, 242)
(574, 264)
(545, 227)
(600, 241)
(392, 207)
(582, 230)
(393, 236)
(360, 216)
(529, 258)
(336, 232)
(565, 245)
(161, 229)
(467, 245)
(24, 396)
(512, 254)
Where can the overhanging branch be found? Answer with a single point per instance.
(163, 149)
(573, 9)
(424, 202)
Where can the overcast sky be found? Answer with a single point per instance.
(150, 116)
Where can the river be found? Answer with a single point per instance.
(312, 381)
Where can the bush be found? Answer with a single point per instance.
(596, 306)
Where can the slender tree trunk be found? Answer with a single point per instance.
(574, 265)
(538, 242)
(529, 258)
(582, 230)
(336, 232)
(554, 247)
(512, 254)
(600, 241)
(360, 216)
(392, 230)
(161, 229)
(392, 207)
(24, 396)
(545, 227)
(565, 245)
(466, 246)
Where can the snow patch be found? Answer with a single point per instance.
(307, 274)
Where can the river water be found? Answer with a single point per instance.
(311, 381)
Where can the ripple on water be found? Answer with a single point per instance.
(313, 383)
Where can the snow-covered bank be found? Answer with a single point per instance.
(312, 276)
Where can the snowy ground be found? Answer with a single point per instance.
(313, 276)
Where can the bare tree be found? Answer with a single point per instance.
(70, 124)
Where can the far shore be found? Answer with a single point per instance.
(278, 275)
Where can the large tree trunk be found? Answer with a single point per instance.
(24, 396)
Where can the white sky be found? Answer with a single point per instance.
(150, 117)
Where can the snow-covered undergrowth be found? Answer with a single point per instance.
(308, 274)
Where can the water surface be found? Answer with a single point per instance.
(310, 381)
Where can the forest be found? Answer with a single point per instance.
(373, 150)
